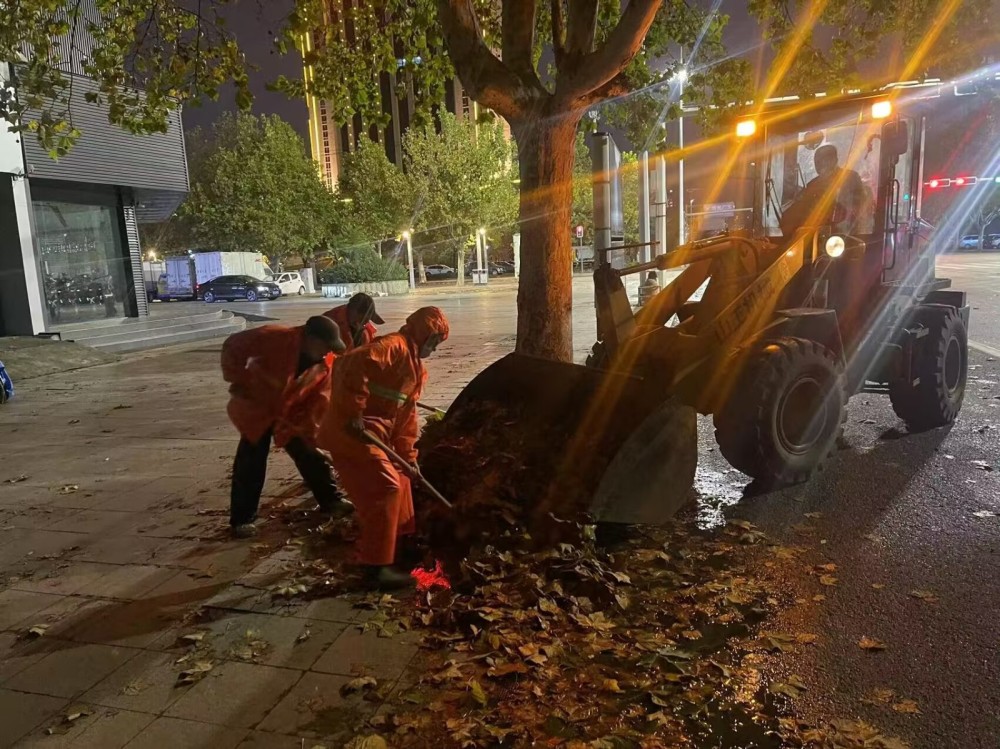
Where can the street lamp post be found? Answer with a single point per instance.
(682, 75)
(480, 248)
(409, 258)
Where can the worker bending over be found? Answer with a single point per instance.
(355, 320)
(375, 389)
(280, 389)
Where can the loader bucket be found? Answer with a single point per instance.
(602, 443)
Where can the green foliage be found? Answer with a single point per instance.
(461, 178)
(824, 45)
(381, 199)
(159, 47)
(253, 188)
(362, 266)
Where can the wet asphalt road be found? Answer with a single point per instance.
(899, 513)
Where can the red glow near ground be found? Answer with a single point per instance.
(427, 579)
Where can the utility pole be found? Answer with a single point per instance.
(409, 258)
(681, 78)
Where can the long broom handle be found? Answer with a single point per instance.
(398, 460)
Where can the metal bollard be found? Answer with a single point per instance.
(648, 288)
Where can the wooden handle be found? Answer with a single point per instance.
(398, 460)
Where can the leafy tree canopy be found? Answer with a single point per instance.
(254, 188)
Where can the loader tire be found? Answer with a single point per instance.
(786, 413)
(940, 368)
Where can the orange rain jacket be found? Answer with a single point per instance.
(339, 316)
(380, 383)
(260, 365)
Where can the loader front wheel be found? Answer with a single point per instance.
(784, 416)
(940, 366)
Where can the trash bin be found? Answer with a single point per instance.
(648, 288)
(480, 277)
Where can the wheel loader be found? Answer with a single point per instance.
(829, 290)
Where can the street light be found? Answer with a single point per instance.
(681, 75)
(409, 257)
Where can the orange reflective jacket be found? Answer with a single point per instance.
(260, 365)
(339, 316)
(380, 382)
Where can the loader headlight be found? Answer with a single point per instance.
(835, 246)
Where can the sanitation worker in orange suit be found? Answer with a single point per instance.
(280, 389)
(375, 388)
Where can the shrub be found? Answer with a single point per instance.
(363, 266)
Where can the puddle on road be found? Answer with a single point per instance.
(715, 492)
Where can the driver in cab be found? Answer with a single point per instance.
(836, 197)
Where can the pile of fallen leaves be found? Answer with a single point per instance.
(506, 473)
(577, 647)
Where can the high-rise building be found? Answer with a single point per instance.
(330, 141)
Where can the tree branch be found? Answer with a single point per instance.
(597, 68)
(518, 37)
(582, 27)
(489, 81)
(558, 32)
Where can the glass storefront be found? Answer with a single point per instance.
(82, 261)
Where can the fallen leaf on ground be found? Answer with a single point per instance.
(195, 673)
(477, 693)
(819, 598)
(134, 687)
(870, 643)
(290, 591)
(806, 638)
(828, 580)
(364, 742)
(791, 687)
(907, 707)
(192, 638)
(878, 586)
(984, 514)
(17, 479)
(611, 685)
(68, 489)
(924, 595)
(880, 697)
(691, 634)
(814, 515)
(361, 684)
(982, 465)
(306, 634)
(826, 567)
(36, 631)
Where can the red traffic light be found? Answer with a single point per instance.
(959, 181)
(934, 183)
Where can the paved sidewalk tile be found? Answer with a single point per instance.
(18, 605)
(235, 694)
(146, 683)
(70, 671)
(315, 708)
(356, 653)
(264, 740)
(274, 640)
(168, 733)
(17, 654)
(21, 713)
(101, 729)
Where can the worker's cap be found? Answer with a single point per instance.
(326, 330)
(365, 305)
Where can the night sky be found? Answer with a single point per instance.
(253, 22)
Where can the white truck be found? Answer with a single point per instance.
(183, 274)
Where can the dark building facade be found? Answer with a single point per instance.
(69, 236)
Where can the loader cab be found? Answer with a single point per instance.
(845, 167)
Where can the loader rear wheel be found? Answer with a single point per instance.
(940, 367)
(786, 412)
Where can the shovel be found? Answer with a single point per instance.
(398, 460)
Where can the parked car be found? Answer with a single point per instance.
(971, 242)
(992, 241)
(289, 283)
(238, 287)
(438, 272)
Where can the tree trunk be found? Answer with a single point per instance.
(982, 237)
(546, 148)
(421, 271)
(460, 270)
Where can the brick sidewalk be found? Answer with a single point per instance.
(113, 548)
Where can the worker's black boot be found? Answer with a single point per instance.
(383, 577)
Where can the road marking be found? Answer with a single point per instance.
(984, 349)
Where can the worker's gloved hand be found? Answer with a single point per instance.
(413, 471)
(356, 426)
